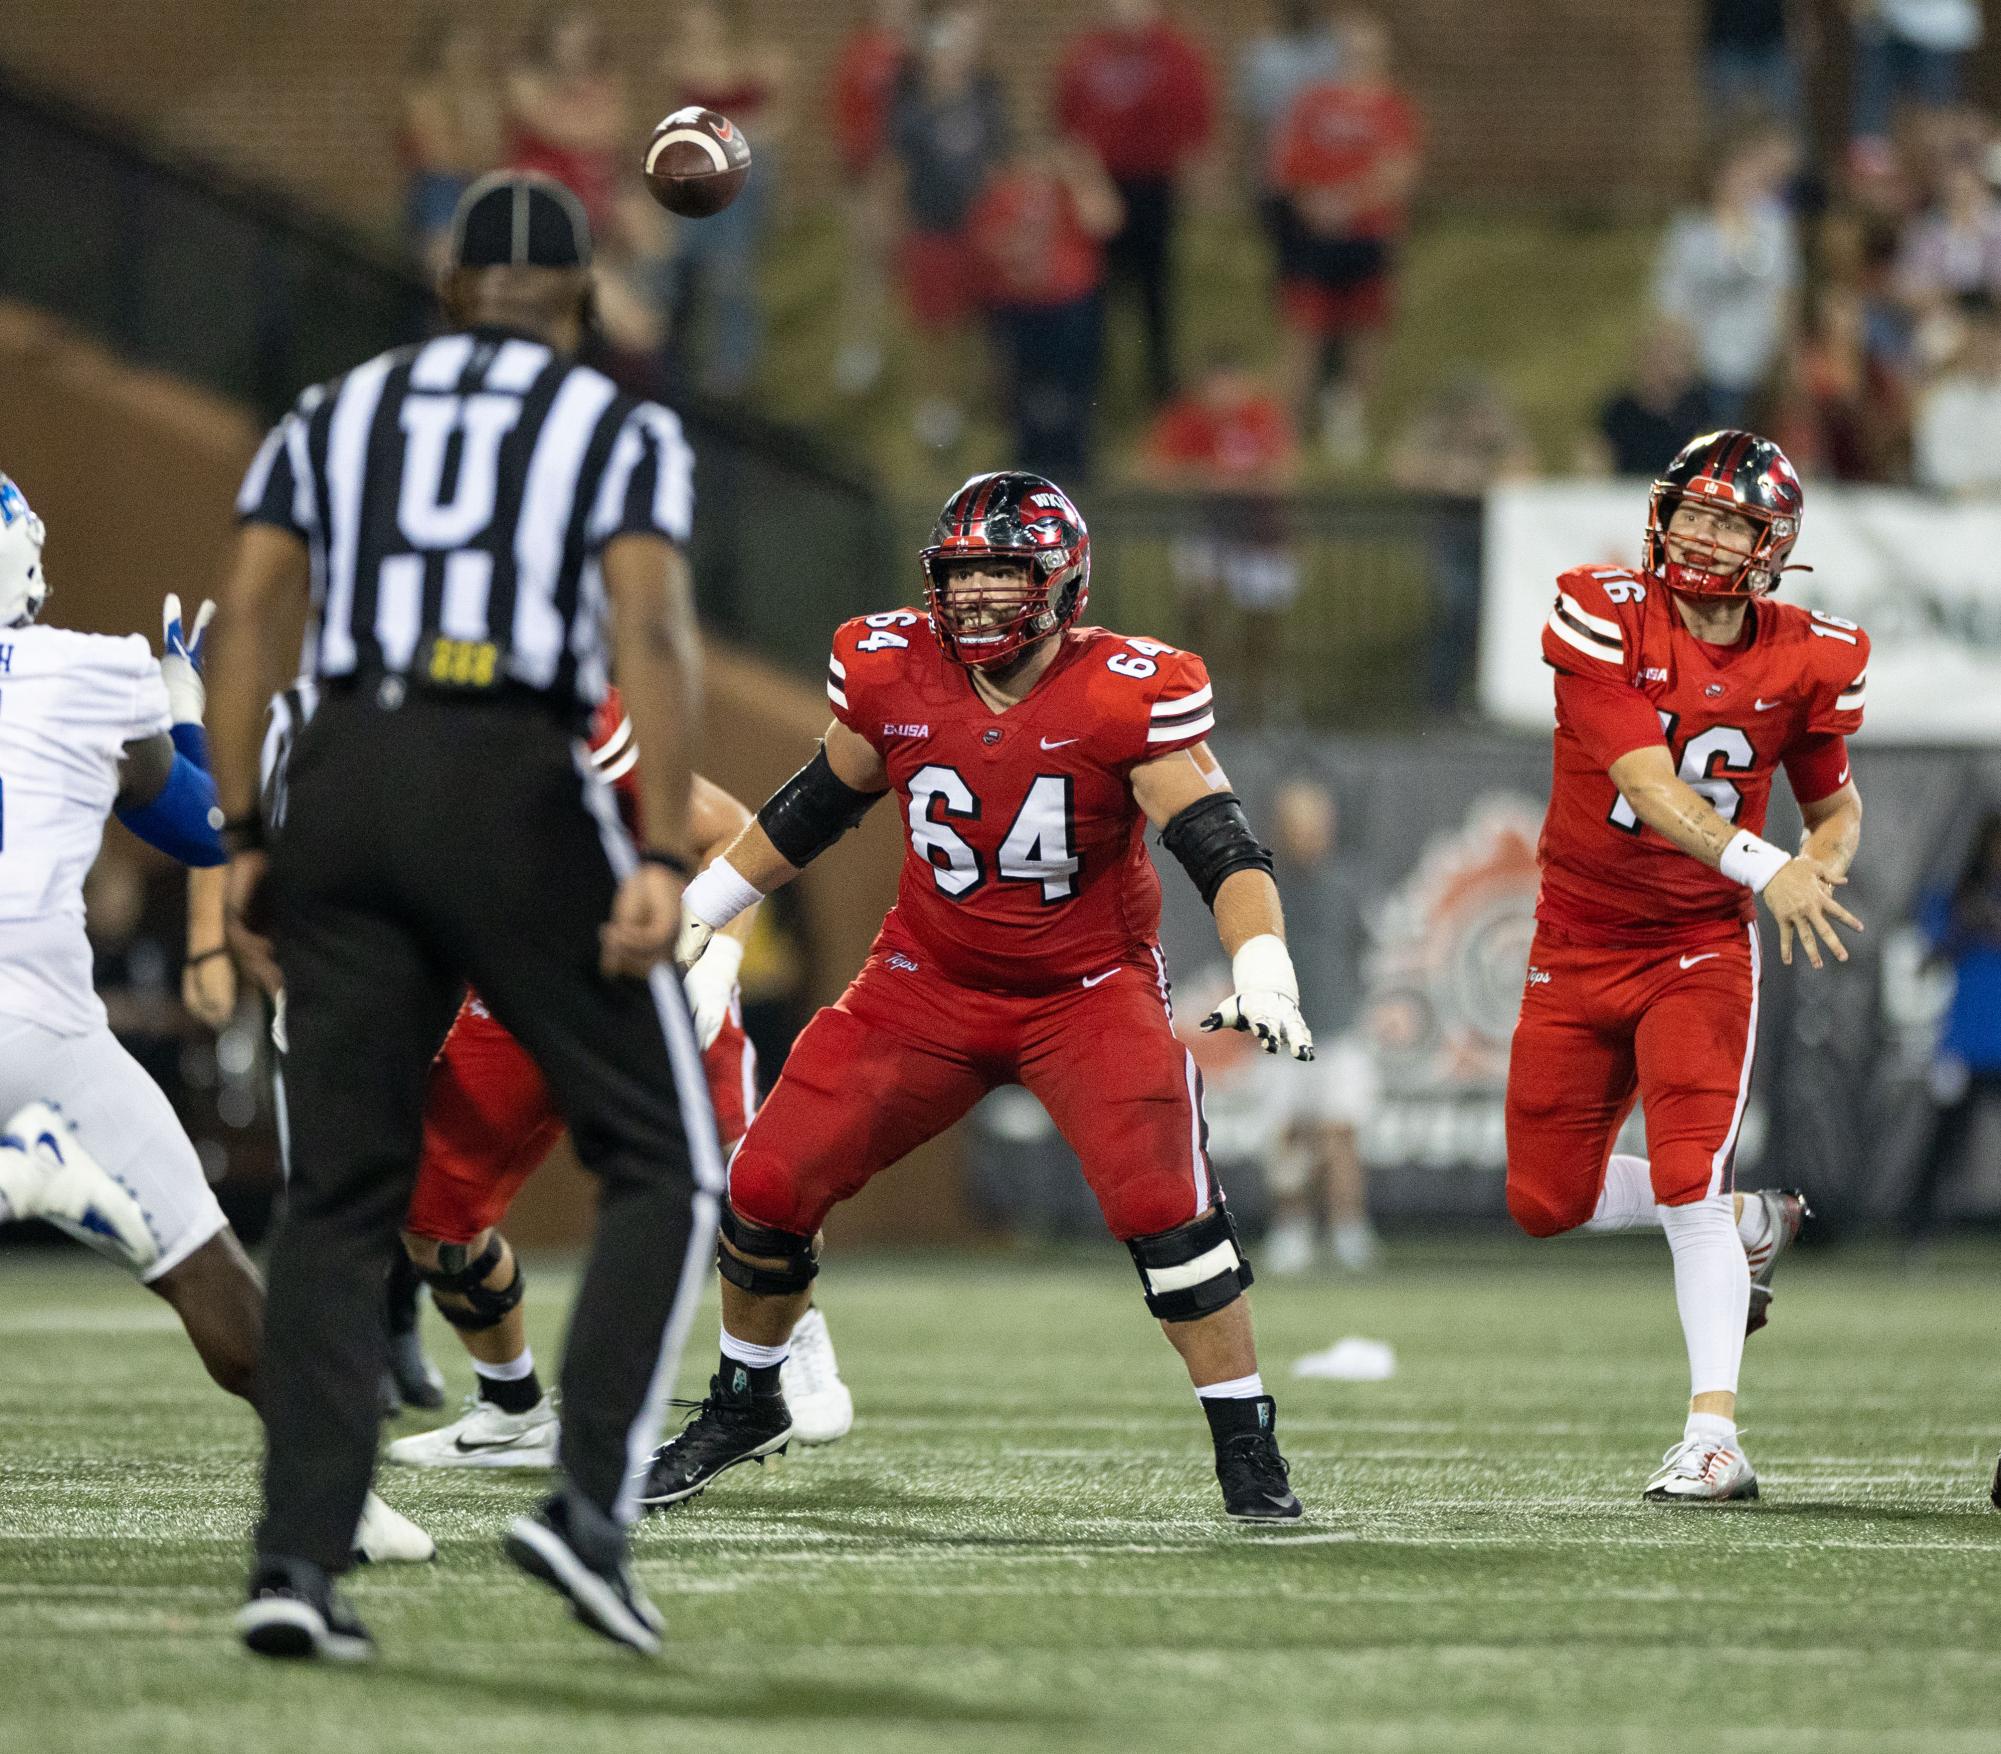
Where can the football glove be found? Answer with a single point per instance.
(710, 983)
(692, 940)
(1266, 1002)
(181, 659)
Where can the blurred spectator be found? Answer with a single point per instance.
(1963, 925)
(1642, 426)
(716, 64)
(1958, 437)
(451, 127)
(1751, 62)
(1840, 413)
(1906, 50)
(1343, 166)
(1230, 444)
(1300, 46)
(1138, 92)
(1037, 234)
(566, 108)
(1465, 439)
(1728, 271)
(948, 127)
(1953, 248)
(1316, 1170)
(871, 62)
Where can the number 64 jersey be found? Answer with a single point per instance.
(1025, 868)
(1630, 673)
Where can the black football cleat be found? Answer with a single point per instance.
(295, 1612)
(1256, 1480)
(597, 1581)
(1785, 1211)
(731, 1426)
(418, 1382)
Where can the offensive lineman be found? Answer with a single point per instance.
(1027, 754)
(90, 725)
(1680, 690)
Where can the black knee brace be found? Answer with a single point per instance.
(799, 1253)
(1193, 1271)
(483, 1308)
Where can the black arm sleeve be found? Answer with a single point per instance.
(811, 811)
(1213, 838)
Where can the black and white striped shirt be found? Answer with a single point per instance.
(461, 491)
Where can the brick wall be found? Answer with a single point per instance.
(1526, 99)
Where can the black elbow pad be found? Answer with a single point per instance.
(1212, 838)
(811, 811)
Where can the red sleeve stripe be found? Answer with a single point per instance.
(840, 670)
(617, 770)
(607, 751)
(1584, 621)
(1590, 644)
(1174, 733)
(1188, 703)
(835, 692)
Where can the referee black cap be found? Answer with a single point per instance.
(520, 219)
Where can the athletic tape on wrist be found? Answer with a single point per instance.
(1264, 965)
(719, 894)
(1751, 861)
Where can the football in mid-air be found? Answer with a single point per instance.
(697, 162)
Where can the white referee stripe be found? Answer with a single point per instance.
(257, 478)
(347, 468)
(1186, 704)
(674, 485)
(399, 606)
(517, 365)
(1172, 733)
(614, 482)
(468, 592)
(547, 497)
(698, 1121)
(1597, 623)
(305, 512)
(1721, 1161)
(441, 363)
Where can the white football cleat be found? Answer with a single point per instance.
(1785, 1211)
(46, 1173)
(485, 1436)
(823, 1411)
(387, 1537)
(1701, 1470)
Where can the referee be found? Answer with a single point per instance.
(484, 529)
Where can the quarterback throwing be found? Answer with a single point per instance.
(1681, 689)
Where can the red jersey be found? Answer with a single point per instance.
(1142, 99)
(1629, 674)
(1025, 869)
(864, 85)
(1245, 440)
(1033, 246)
(1335, 137)
(616, 756)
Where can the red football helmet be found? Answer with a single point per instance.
(1011, 515)
(1741, 473)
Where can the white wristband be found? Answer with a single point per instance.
(1264, 965)
(716, 896)
(1751, 861)
(723, 959)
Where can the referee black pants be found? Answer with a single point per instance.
(427, 844)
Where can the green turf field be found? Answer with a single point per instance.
(1019, 1548)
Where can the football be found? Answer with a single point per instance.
(697, 162)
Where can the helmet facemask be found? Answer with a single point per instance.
(1013, 607)
(1707, 568)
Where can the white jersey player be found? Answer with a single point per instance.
(89, 725)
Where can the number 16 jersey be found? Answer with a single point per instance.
(1025, 867)
(1631, 674)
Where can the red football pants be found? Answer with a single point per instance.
(490, 1121)
(904, 1053)
(1675, 1028)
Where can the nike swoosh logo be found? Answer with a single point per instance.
(1091, 980)
(1060, 743)
(1706, 956)
(1843, 780)
(514, 1442)
(1765, 706)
